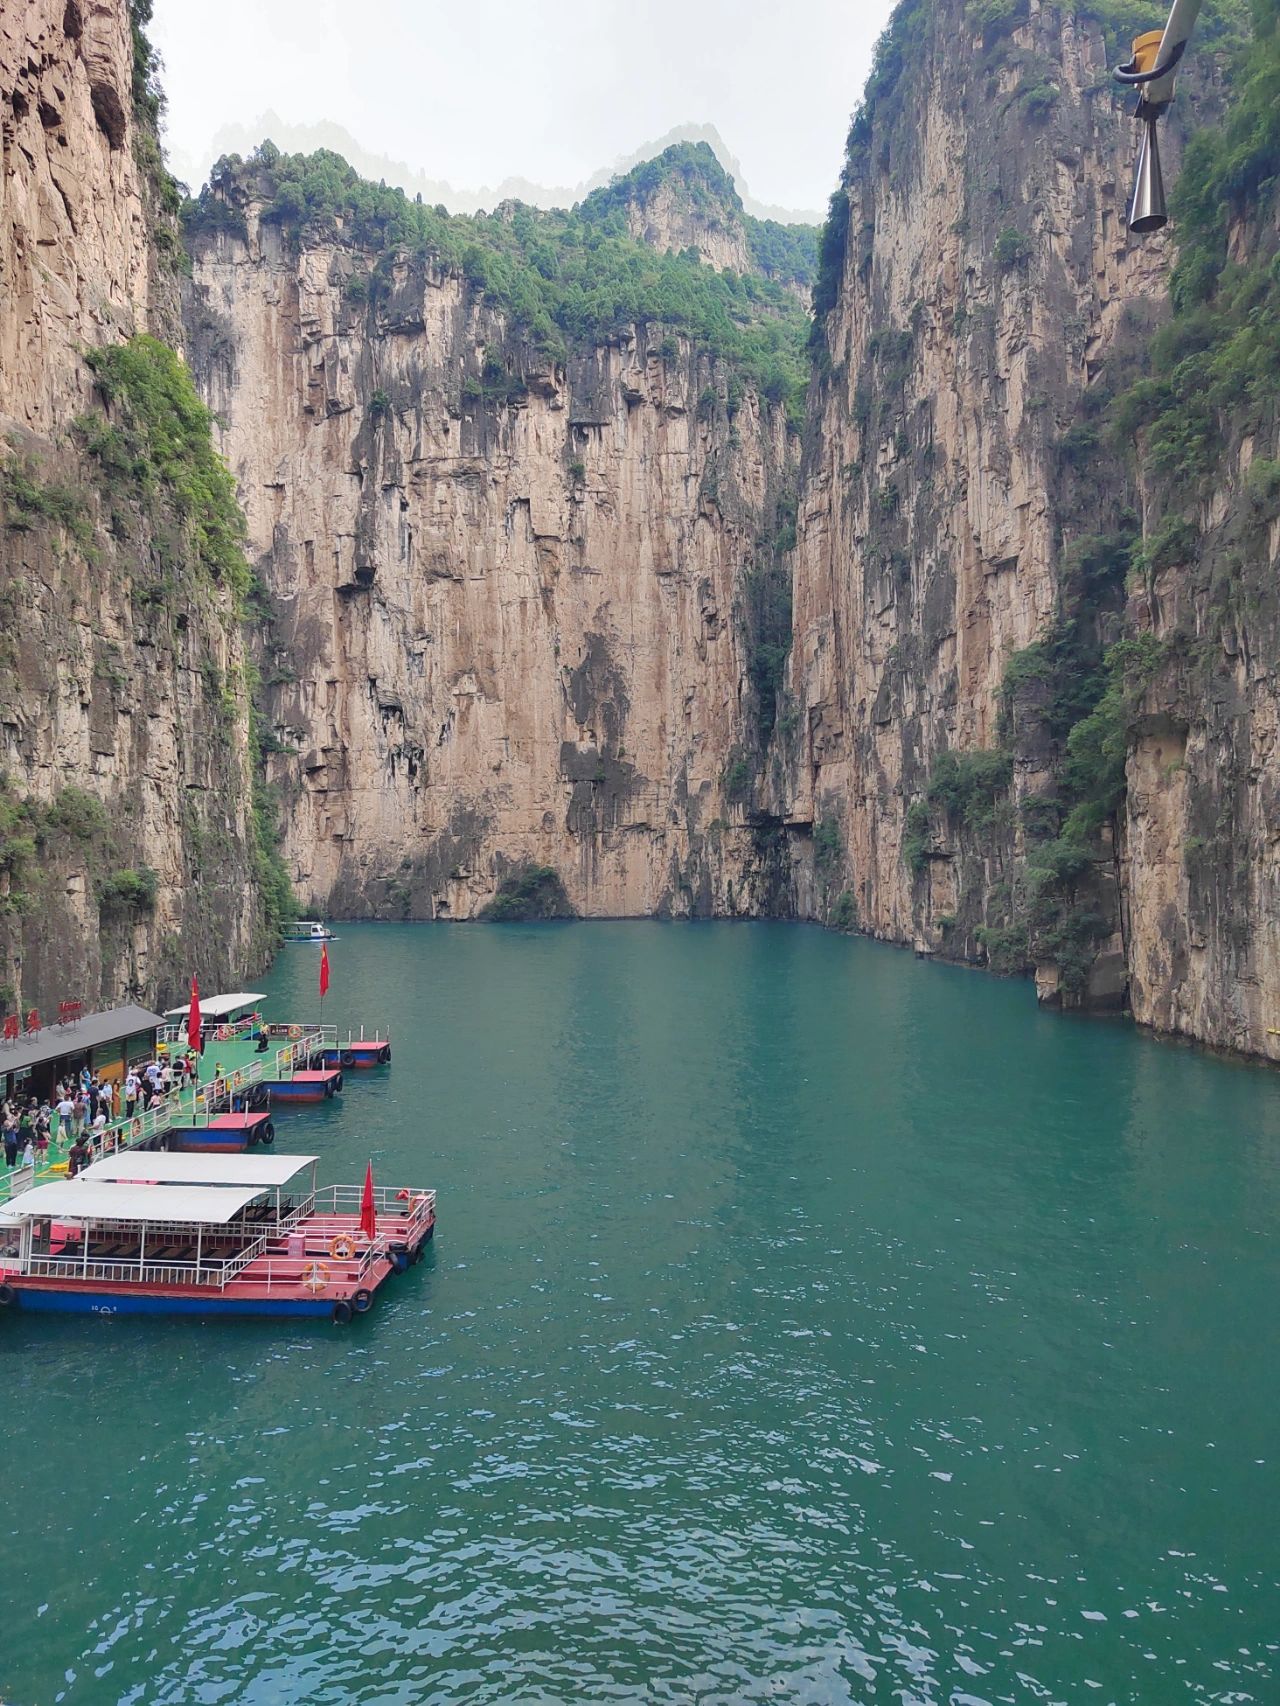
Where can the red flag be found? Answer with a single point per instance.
(368, 1219)
(324, 970)
(195, 1030)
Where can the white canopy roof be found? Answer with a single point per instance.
(144, 1166)
(216, 1006)
(81, 1199)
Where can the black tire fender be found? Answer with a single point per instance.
(347, 1057)
(7, 1295)
(362, 1302)
(267, 1133)
(342, 1313)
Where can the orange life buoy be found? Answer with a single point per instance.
(316, 1277)
(342, 1249)
(295, 1031)
(402, 1196)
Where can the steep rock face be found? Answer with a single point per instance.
(124, 803)
(74, 243)
(1201, 820)
(664, 218)
(963, 519)
(508, 592)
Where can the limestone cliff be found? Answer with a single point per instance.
(512, 588)
(125, 822)
(984, 591)
(1201, 815)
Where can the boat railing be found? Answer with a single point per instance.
(407, 1201)
(240, 1261)
(291, 1211)
(147, 1273)
(379, 1034)
(314, 1272)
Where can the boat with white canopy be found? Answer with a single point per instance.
(147, 1232)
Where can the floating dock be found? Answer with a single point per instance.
(222, 1134)
(320, 1085)
(362, 1053)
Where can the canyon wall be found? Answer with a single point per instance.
(125, 824)
(976, 538)
(509, 590)
(542, 580)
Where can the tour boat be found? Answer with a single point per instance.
(149, 1232)
(307, 930)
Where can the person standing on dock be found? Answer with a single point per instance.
(78, 1158)
(64, 1110)
(10, 1139)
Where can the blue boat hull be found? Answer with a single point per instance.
(201, 1141)
(362, 1059)
(139, 1303)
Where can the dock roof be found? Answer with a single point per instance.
(144, 1166)
(53, 1042)
(77, 1199)
(216, 1006)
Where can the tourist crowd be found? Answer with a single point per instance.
(81, 1110)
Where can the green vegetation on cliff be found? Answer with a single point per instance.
(530, 893)
(160, 443)
(787, 253)
(1215, 369)
(567, 280)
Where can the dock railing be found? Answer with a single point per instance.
(218, 1094)
(180, 1109)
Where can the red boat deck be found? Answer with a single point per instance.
(286, 1260)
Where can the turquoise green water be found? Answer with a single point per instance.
(804, 1323)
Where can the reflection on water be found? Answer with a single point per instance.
(804, 1323)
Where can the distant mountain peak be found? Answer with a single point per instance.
(307, 138)
(680, 199)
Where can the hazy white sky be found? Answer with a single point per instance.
(474, 91)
